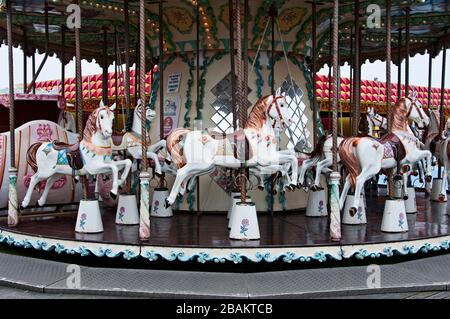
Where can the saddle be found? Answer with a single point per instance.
(396, 145)
(239, 141)
(73, 154)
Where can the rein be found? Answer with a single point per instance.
(277, 108)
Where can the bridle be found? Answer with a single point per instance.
(277, 108)
(373, 118)
(99, 123)
(418, 110)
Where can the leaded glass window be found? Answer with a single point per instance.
(298, 134)
(222, 105)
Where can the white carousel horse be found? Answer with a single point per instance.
(364, 157)
(437, 144)
(322, 155)
(67, 120)
(49, 160)
(197, 152)
(375, 120)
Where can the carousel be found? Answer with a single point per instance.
(215, 140)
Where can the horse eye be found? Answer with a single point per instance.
(101, 116)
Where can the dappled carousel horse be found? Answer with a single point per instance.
(92, 155)
(322, 155)
(438, 145)
(364, 157)
(198, 152)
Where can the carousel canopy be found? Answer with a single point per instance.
(371, 91)
(429, 20)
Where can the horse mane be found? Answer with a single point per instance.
(91, 124)
(258, 115)
(399, 116)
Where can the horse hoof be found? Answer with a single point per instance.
(274, 192)
(405, 197)
(441, 197)
(166, 203)
(158, 174)
(168, 162)
(352, 211)
(76, 180)
(299, 185)
(113, 196)
(261, 188)
(21, 207)
(428, 179)
(314, 188)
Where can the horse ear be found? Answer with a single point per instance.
(101, 104)
(112, 107)
(139, 102)
(278, 93)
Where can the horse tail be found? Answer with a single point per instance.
(318, 149)
(31, 156)
(348, 157)
(175, 147)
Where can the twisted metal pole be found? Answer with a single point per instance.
(442, 111)
(13, 209)
(313, 71)
(335, 218)
(388, 84)
(144, 220)
(357, 72)
(240, 90)
(127, 56)
(161, 80)
(79, 98)
(407, 45)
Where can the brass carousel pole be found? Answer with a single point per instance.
(144, 222)
(13, 210)
(335, 218)
(357, 73)
(127, 56)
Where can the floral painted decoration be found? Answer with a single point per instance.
(83, 219)
(359, 214)
(156, 206)
(291, 17)
(180, 18)
(321, 207)
(244, 226)
(401, 220)
(121, 213)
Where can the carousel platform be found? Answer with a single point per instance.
(203, 237)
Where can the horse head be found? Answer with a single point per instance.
(100, 121)
(415, 111)
(278, 110)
